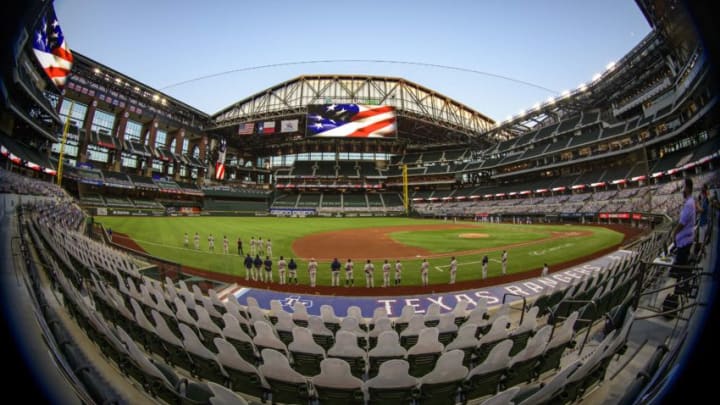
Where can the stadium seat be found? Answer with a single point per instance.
(174, 352)
(207, 327)
(286, 384)
(388, 348)
(346, 348)
(465, 341)
(284, 326)
(320, 333)
(423, 355)
(503, 398)
(485, 378)
(266, 338)
(432, 316)
(522, 333)
(544, 393)
(329, 318)
(523, 364)
(497, 333)
(335, 385)
(378, 313)
(223, 396)
(402, 322)
(159, 382)
(393, 384)
(275, 309)
(447, 328)
(242, 375)
(300, 314)
(306, 354)
(561, 338)
(460, 312)
(204, 362)
(442, 384)
(409, 336)
(236, 336)
(379, 326)
(355, 312)
(350, 324)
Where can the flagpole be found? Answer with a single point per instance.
(62, 143)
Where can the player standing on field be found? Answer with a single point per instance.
(504, 261)
(386, 273)
(211, 243)
(226, 245)
(248, 267)
(424, 272)
(269, 248)
(369, 274)
(197, 241)
(453, 269)
(398, 272)
(335, 273)
(253, 250)
(268, 270)
(257, 263)
(349, 273)
(282, 265)
(292, 270)
(186, 240)
(312, 271)
(239, 246)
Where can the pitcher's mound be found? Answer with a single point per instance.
(474, 235)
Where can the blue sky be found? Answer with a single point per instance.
(557, 44)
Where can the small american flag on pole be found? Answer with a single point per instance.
(246, 128)
(51, 49)
(351, 120)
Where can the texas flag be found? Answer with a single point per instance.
(266, 127)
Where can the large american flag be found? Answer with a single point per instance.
(51, 49)
(351, 120)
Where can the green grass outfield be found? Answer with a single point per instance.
(163, 237)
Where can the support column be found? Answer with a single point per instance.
(179, 137)
(87, 125)
(121, 120)
(203, 153)
(151, 136)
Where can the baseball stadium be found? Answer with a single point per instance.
(155, 253)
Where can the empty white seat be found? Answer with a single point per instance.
(335, 374)
(345, 345)
(449, 367)
(300, 314)
(393, 378)
(388, 345)
(265, 337)
(303, 342)
(502, 398)
(224, 396)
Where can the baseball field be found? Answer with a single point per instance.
(377, 239)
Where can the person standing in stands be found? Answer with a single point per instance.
(335, 273)
(257, 264)
(683, 231)
(282, 265)
(369, 274)
(292, 270)
(197, 241)
(186, 240)
(398, 272)
(239, 246)
(248, 267)
(386, 273)
(349, 273)
(453, 269)
(312, 271)
(211, 243)
(226, 245)
(485, 261)
(504, 261)
(424, 267)
(268, 270)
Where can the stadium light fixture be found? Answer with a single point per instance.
(536, 106)
(550, 100)
(155, 97)
(610, 66)
(582, 87)
(565, 93)
(118, 80)
(596, 76)
(96, 70)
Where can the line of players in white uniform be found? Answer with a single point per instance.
(254, 264)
